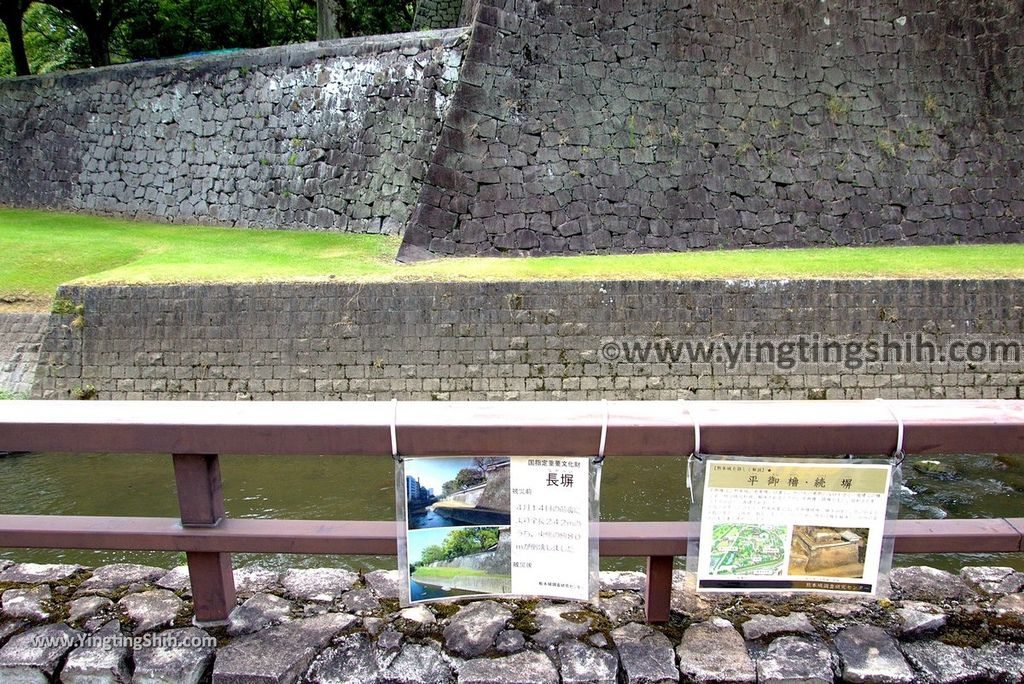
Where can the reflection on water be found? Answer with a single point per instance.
(424, 592)
(421, 520)
(362, 488)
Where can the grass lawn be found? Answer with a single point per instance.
(446, 573)
(44, 249)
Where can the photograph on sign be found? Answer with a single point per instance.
(791, 525)
(497, 526)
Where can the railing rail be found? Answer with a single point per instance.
(195, 432)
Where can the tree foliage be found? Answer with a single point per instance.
(11, 13)
(465, 478)
(68, 34)
(461, 542)
(373, 17)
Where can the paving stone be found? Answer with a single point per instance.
(35, 655)
(108, 578)
(418, 664)
(184, 657)
(374, 625)
(509, 641)
(685, 598)
(384, 583)
(102, 659)
(151, 609)
(526, 667)
(176, 580)
(389, 643)
(645, 655)
(360, 601)
(87, 607)
(34, 573)
(9, 629)
(420, 614)
(552, 628)
(472, 630)
(871, 656)
(582, 664)
(258, 612)
(843, 609)
(922, 583)
(939, 663)
(27, 604)
(623, 581)
(623, 608)
(1002, 661)
(253, 579)
(278, 655)
(920, 618)
(1009, 608)
(323, 585)
(352, 660)
(790, 659)
(714, 651)
(771, 626)
(993, 580)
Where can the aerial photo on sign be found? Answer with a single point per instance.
(748, 549)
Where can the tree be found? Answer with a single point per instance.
(97, 19)
(11, 13)
(465, 478)
(366, 17)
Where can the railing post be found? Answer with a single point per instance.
(658, 596)
(201, 501)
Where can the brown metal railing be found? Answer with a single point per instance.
(194, 432)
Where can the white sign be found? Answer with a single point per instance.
(496, 527)
(792, 526)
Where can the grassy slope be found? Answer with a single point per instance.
(43, 249)
(454, 572)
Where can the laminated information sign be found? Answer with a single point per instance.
(497, 526)
(792, 526)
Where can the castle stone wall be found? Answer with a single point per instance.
(629, 126)
(323, 136)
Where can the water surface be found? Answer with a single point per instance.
(362, 488)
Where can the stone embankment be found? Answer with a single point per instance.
(333, 625)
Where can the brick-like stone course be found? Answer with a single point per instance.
(21, 335)
(538, 340)
(323, 136)
(629, 126)
(438, 14)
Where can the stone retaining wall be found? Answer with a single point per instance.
(323, 136)
(324, 626)
(21, 335)
(627, 126)
(535, 340)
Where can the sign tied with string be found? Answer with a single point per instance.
(792, 524)
(472, 526)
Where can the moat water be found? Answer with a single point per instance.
(362, 488)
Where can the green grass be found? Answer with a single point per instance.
(44, 249)
(444, 573)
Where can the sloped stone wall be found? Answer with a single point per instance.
(628, 125)
(21, 335)
(434, 14)
(328, 136)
